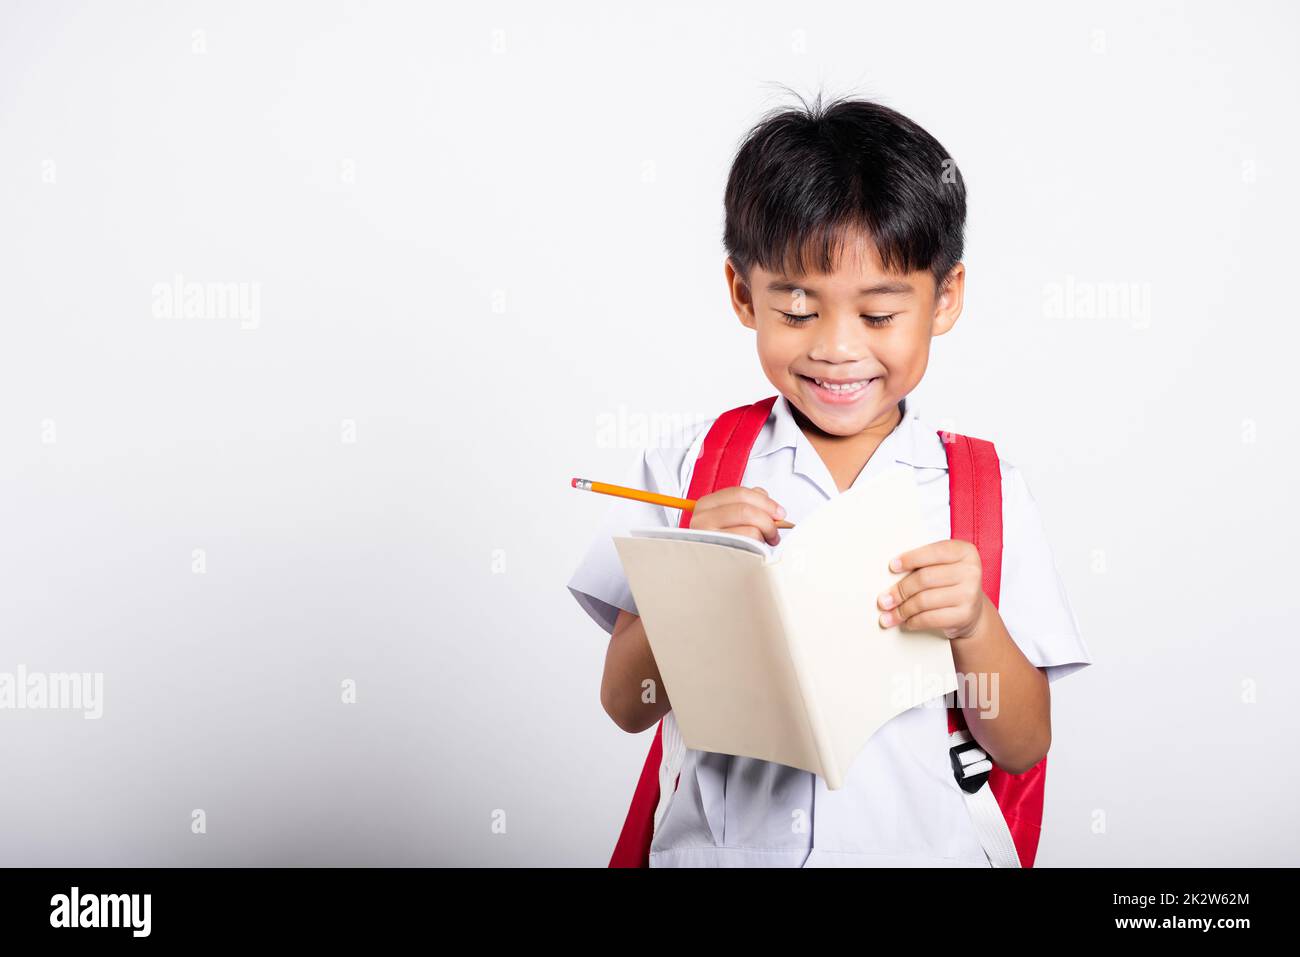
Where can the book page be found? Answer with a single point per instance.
(729, 539)
(857, 675)
(720, 645)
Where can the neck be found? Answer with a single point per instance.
(846, 455)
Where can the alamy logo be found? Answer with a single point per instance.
(1085, 299)
(38, 690)
(179, 299)
(101, 910)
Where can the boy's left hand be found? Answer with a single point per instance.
(944, 589)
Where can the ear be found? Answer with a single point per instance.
(742, 301)
(948, 300)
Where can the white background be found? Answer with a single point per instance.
(480, 231)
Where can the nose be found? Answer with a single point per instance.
(840, 337)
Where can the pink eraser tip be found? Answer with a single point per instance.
(573, 484)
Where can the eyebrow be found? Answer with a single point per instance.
(880, 288)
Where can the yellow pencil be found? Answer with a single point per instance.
(654, 498)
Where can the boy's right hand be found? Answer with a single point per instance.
(741, 511)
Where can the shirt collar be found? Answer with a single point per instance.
(912, 443)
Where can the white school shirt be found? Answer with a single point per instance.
(900, 805)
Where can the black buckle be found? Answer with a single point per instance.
(968, 783)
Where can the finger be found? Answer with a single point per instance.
(948, 550)
(939, 619)
(726, 516)
(929, 599)
(757, 497)
(929, 576)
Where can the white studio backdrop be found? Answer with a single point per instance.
(314, 533)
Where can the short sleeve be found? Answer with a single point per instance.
(1032, 602)
(599, 583)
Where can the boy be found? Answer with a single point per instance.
(844, 235)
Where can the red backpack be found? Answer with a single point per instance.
(1007, 809)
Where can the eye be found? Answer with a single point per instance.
(791, 319)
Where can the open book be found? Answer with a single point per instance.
(776, 652)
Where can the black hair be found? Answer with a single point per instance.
(806, 178)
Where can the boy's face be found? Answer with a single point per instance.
(866, 328)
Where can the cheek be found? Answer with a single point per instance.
(908, 348)
(778, 347)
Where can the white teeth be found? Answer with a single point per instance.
(846, 387)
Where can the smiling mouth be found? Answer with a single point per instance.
(839, 386)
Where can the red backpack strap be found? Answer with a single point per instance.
(721, 464)
(726, 451)
(975, 495)
(975, 514)
(975, 499)
(633, 847)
